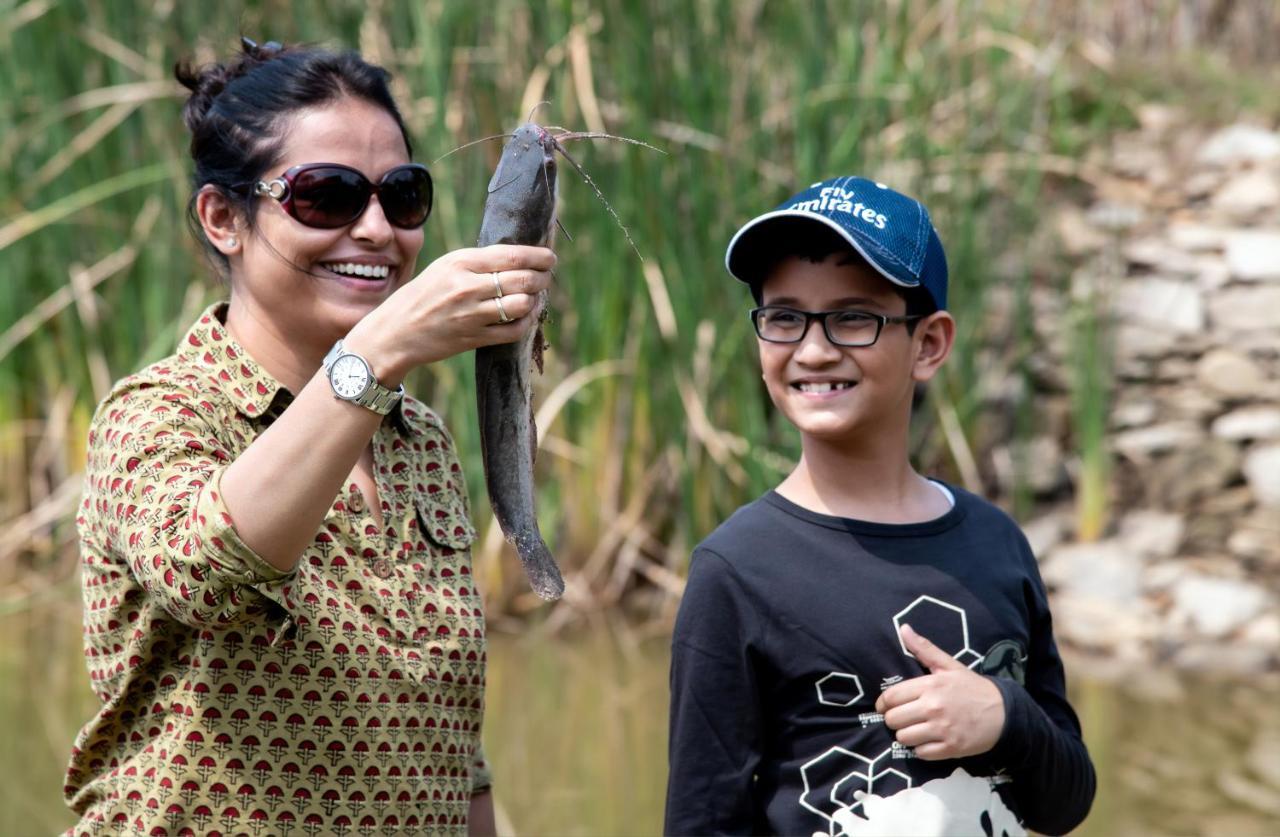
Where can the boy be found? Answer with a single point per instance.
(863, 650)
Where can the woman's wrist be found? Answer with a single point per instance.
(379, 348)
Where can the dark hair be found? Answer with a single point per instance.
(237, 110)
(803, 239)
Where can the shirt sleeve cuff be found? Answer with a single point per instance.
(481, 777)
(228, 555)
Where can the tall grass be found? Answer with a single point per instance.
(978, 108)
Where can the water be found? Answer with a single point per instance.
(576, 731)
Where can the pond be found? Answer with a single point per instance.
(576, 731)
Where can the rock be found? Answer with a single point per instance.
(1259, 422)
(1197, 237)
(1105, 571)
(1212, 273)
(1037, 464)
(1116, 215)
(1229, 373)
(1207, 533)
(1257, 536)
(1147, 252)
(1189, 473)
(1136, 341)
(1262, 472)
(1099, 624)
(1239, 144)
(1158, 119)
(1150, 532)
(1263, 631)
(1046, 532)
(1245, 308)
(1169, 303)
(1201, 185)
(1247, 194)
(1256, 544)
(1135, 413)
(1254, 255)
(1191, 403)
(1077, 235)
(1263, 757)
(1233, 502)
(1214, 607)
(1141, 443)
(1248, 793)
(1221, 658)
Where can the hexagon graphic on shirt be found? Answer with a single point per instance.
(943, 624)
(836, 767)
(884, 782)
(839, 689)
(832, 780)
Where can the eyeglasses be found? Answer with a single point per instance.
(779, 324)
(330, 195)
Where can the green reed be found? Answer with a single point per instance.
(960, 103)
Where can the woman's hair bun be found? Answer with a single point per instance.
(206, 82)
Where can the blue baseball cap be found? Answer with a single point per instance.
(890, 230)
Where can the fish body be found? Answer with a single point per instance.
(520, 209)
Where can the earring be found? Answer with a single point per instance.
(233, 242)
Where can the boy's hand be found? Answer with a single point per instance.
(949, 713)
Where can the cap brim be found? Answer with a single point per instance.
(748, 250)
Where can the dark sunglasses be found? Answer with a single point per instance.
(330, 195)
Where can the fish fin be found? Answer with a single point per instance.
(540, 567)
(540, 344)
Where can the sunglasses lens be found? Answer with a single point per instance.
(329, 197)
(405, 194)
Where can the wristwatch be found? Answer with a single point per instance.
(352, 380)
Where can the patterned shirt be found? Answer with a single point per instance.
(344, 696)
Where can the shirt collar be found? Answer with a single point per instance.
(209, 346)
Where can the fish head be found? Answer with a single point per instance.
(525, 182)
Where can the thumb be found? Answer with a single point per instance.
(933, 657)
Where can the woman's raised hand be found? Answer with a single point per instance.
(478, 296)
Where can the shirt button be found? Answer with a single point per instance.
(382, 568)
(356, 502)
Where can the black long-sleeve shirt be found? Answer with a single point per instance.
(788, 633)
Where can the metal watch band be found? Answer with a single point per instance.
(376, 397)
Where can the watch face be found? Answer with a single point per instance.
(349, 376)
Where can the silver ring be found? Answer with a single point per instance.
(497, 285)
(503, 319)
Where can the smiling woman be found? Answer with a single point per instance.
(272, 532)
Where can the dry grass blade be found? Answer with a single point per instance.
(133, 93)
(94, 275)
(83, 142)
(662, 308)
(961, 452)
(583, 84)
(21, 16)
(63, 208)
(118, 52)
(17, 535)
(569, 387)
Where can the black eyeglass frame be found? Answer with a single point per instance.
(809, 316)
(282, 190)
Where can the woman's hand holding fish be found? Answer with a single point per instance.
(451, 307)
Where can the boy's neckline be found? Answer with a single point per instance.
(925, 527)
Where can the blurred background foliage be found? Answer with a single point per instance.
(656, 425)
